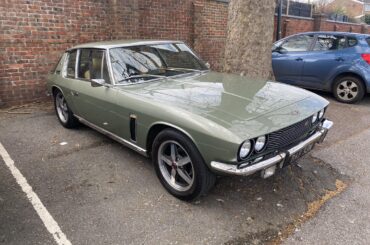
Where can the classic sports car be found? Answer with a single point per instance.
(161, 100)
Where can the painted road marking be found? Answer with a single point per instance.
(49, 222)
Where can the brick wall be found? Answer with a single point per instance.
(210, 25)
(32, 36)
(34, 33)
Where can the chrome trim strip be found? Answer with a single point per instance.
(113, 136)
(109, 64)
(77, 62)
(234, 170)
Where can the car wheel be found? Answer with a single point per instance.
(180, 167)
(64, 113)
(348, 89)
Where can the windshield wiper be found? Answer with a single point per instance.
(181, 69)
(140, 76)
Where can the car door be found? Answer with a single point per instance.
(325, 57)
(94, 103)
(288, 56)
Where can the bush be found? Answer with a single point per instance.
(367, 19)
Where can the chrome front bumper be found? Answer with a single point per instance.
(275, 161)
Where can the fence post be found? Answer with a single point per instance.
(363, 29)
(285, 27)
(287, 7)
(319, 20)
(279, 18)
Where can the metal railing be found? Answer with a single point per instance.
(294, 8)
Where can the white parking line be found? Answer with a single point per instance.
(49, 222)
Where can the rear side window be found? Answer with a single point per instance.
(71, 65)
(58, 67)
(368, 41)
(297, 43)
(352, 41)
(330, 42)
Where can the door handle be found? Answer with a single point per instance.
(74, 93)
(299, 59)
(339, 59)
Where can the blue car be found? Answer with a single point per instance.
(338, 62)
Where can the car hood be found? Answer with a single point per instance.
(233, 101)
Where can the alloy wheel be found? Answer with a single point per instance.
(176, 166)
(62, 108)
(347, 90)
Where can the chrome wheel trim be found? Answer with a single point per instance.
(347, 90)
(62, 108)
(175, 165)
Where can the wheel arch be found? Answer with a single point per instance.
(344, 74)
(54, 89)
(158, 127)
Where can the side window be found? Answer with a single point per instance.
(297, 44)
(84, 63)
(59, 66)
(92, 65)
(352, 41)
(71, 65)
(330, 42)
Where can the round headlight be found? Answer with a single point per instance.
(314, 117)
(260, 143)
(245, 149)
(321, 113)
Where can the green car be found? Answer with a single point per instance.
(161, 100)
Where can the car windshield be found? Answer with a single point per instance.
(146, 62)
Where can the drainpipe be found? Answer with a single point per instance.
(279, 18)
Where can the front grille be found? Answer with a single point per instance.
(290, 135)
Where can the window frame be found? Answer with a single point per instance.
(309, 48)
(104, 58)
(335, 50)
(110, 68)
(66, 62)
(354, 37)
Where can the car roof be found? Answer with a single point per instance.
(335, 32)
(122, 43)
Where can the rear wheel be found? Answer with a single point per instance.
(64, 113)
(348, 89)
(180, 167)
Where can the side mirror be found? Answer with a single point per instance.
(97, 82)
(280, 50)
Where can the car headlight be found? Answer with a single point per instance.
(321, 113)
(314, 117)
(245, 149)
(260, 143)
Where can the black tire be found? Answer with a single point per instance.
(66, 118)
(348, 89)
(202, 179)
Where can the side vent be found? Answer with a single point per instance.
(133, 127)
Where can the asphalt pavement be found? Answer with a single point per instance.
(100, 192)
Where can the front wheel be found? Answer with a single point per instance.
(64, 114)
(180, 167)
(348, 89)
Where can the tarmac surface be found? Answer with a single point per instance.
(100, 192)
